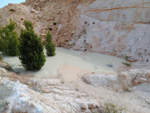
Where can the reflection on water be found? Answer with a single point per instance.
(89, 61)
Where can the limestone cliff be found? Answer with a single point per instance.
(116, 27)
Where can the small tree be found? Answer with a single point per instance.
(49, 45)
(9, 39)
(31, 50)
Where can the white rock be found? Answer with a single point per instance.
(66, 100)
(100, 80)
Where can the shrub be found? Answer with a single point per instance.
(127, 58)
(55, 23)
(49, 45)
(127, 64)
(9, 39)
(31, 50)
(112, 108)
(12, 10)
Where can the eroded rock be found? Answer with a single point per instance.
(103, 80)
(100, 80)
(58, 99)
(134, 77)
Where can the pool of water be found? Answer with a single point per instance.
(92, 62)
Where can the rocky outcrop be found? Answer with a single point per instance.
(134, 77)
(101, 80)
(43, 96)
(124, 81)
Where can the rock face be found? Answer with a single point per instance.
(119, 28)
(115, 27)
(120, 10)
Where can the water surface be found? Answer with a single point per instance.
(92, 62)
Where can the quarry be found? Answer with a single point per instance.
(102, 61)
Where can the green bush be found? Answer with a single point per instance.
(112, 108)
(49, 45)
(12, 10)
(9, 39)
(31, 50)
(127, 64)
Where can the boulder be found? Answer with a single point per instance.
(103, 80)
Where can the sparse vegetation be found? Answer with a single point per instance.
(9, 39)
(111, 108)
(147, 60)
(62, 81)
(31, 50)
(127, 64)
(49, 45)
(12, 10)
(55, 23)
(127, 58)
(84, 31)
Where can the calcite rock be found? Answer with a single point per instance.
(103, 80)
(58, 99)
(143, 91)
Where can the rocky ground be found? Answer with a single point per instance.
(42, 96)
(125, 92)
